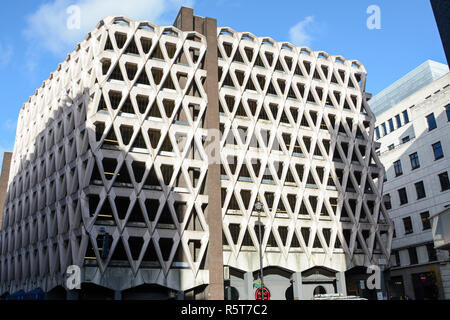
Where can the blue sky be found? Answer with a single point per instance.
(35, 39)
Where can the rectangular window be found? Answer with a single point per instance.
(377, 133)
(432, 256)
(405, 139)
(414, 160)
(397, 258)
(407, 223)
(413, 256)
(384, 130)
(391, 125)
(391, 147)
(403, 196)
(387, 202)
(405, 116)
(398, 120)
(431, 122)
(438, 152)
(445, 183)
(420, 189)
(425, 217)
(398, 168)
(447, 110)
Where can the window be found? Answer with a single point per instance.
(405, 116)
(420, 189)
(377, 133)
(438, 152)
(431, 122)
(387, 203)
(391, 125)
(425, 217)
(397, 258)
(398, 120)
(391, 147)
(445, 183)
(447, 110)
(413, 256)
(414, 160)
(403, 196)
(432, 256)
(383, 126)
(407, 223)
(398, 168)
(405, 139)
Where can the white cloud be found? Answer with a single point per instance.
(300, 33)
(6, 53)
(47, 27)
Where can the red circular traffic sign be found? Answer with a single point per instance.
(423, 277)
(262, 294)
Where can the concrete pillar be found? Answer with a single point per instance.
(340, 283)
(297, 284)
(117, 295)
(186, 21)
(4, 177)
(180, 295)
(248, 279)
(72, 295)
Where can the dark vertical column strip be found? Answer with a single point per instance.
(4, 177)
(214, 211)
(186, 21)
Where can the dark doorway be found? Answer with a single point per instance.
(396, 288)
(319, 290)
(425, 287)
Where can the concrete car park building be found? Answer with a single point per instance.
(413, 130)
(142, 157)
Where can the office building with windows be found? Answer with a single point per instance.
(141, 158)
(415, 151)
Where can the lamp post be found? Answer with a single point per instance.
(258, 207)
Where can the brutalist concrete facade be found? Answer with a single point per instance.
(140, 160)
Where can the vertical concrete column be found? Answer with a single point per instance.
(214, 210)
(117, 295)
(248, 279)
(4, 177)
(72, 295)
(186, 21)
(297, 285)
(180, 295)
(341, 285)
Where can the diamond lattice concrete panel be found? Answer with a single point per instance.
(110, 165)
(298, 134)
(109, 162)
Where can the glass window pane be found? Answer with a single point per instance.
(431, 122)
(438, 152)
(405, 116)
